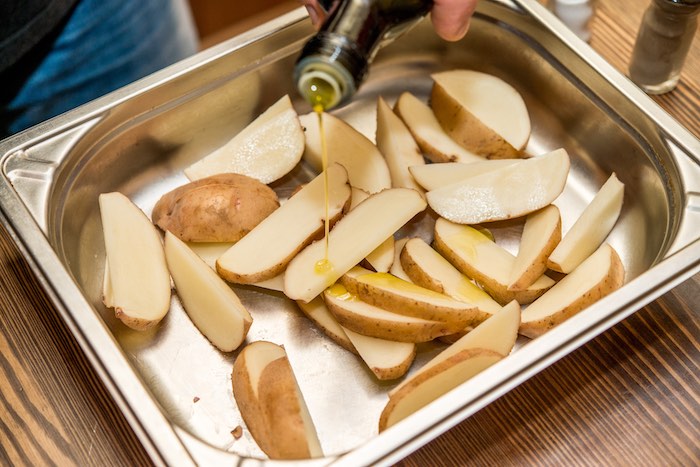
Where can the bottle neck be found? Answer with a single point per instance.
(350, 37)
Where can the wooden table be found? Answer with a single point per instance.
(629, 397)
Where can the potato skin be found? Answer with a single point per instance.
(220, 208)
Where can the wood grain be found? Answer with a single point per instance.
(629, 397)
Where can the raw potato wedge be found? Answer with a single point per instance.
(512, 191)
(427, 268)
(271, 404)
(386, 359)
(541, 234)
(483, 113)
(479, 258)
(367, 168)
(434, 176)
(137, 281)
(317, 312)
(396, 295)
(378, 217)
(498, 333)
(267, 149)
(264, 252)
(590, 229)
(437, 145)
(369, 320)
(382, 257)
(599, 275)
(396, 267)
(397, 145)
(438, 380)
(211, 304)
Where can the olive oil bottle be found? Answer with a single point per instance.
(340, 54)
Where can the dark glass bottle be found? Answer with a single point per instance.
(662, 44)
(334, 62)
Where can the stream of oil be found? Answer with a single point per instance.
(320, 94)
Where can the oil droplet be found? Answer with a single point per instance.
(468, 239)
(339, 292)
(323, 266)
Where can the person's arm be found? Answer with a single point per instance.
(450, 17)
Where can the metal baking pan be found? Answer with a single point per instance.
(137, 140)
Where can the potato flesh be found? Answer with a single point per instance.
(480, 258)
(386, 359)
(397, 145)
(373, 321)
(378, 217)
(139, 281)
(211, 304)
(366, 166)
(437, 145)
(590, 229)
(512, 191)
(319, 314)
(541, 235)
(300, 218)
(267, 149)
(431, 270)
(600, 274)
(422, 389)
(399, 296)
(434, 176)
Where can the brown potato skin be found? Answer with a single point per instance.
(220, 208)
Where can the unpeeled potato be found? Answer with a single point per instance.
(219, 208)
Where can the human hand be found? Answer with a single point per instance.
(450, 17)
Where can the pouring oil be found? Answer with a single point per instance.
(322, 95)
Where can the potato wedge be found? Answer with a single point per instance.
(369, 320)
(271, 404)
(378, 218)
(483, 113)
(381, 258)
(438, 380)
(137, 280)
(541, 235)
(264, 253)
(367, 168)
(397, 145)
(512, 191)
(386, 359)
(599, 275)
(210, 303)
(219, 208)
(396, 267)
(427, 268)
(267, 149)
(479, 258)
(434, 176)
(590, 229)
(420, 120)
(393, 294)
(318, 313)
(498, 333)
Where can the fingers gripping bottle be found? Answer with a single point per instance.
(334, 62)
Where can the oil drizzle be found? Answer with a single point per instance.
(320, 94)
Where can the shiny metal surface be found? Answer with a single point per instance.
(139, 139)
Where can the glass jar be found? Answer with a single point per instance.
(662, 44)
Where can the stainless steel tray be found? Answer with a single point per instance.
(138, 139)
